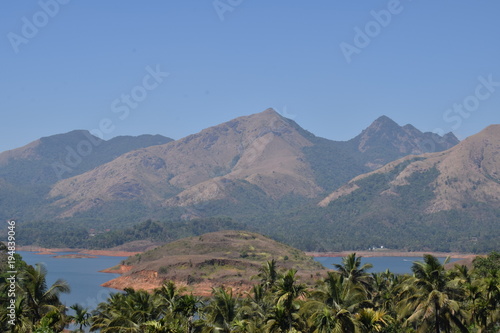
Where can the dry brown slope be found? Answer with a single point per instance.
(25, 152)
(468, 172)
(263, 149)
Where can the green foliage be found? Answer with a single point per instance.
(394, 217)
(37, 307)
(162, 231)
(432, 299)
(485, 266)
(351, 300)
(52, 235)
(334, 163)
(77, 235)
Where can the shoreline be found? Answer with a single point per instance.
(46, 251)
(366, 254)
(416, 254)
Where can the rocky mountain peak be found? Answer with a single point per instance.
(383, 123)
(385, 134)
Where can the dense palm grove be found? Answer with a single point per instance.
(348, 299)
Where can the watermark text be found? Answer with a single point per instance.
(11, 272)
(121, 106)
(31, 26)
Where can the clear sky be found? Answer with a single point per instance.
(332, 66)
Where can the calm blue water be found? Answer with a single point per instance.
(84, 277)
(81, 274)
(398, 265)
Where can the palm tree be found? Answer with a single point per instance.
(336, 291)
(154, 326)
(126, 312)
(385, 288)
(50, 323)
(22, 320)
(222, 310)
(431, 299)
(187, 307)
(268, 274)
(171, 301)
(352, 270)
(256, 307)
(281, 320)
(326, 319)
(474, 298)
(370, 320)
(333, 304)
(81, 317)
(169, 295)
(114, 323)
(41, 300)
(243, 326)
(489, 306)
(287, 291)
(164, 325)
(141, 306)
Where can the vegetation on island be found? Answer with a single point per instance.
(227, 257)
(349, 299)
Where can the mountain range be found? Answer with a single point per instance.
(447, 201)
(263, 170)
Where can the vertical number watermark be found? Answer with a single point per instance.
(11, 265)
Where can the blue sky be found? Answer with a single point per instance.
(435, 65)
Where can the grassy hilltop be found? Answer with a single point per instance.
(202, 262)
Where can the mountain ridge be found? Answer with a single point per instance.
(384, 133)
(464, 161)
(263, 150)
(27, 173)
(227, 150)
(442, 201)
(267, 173)
(62, 155)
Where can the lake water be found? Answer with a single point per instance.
(85, 280)
(82, 274)
(398, 265)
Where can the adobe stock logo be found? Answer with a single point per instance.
(31, 27)
(456, 114)
(471, 103)
(122, 107)
(373, 28)
(223, 6)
